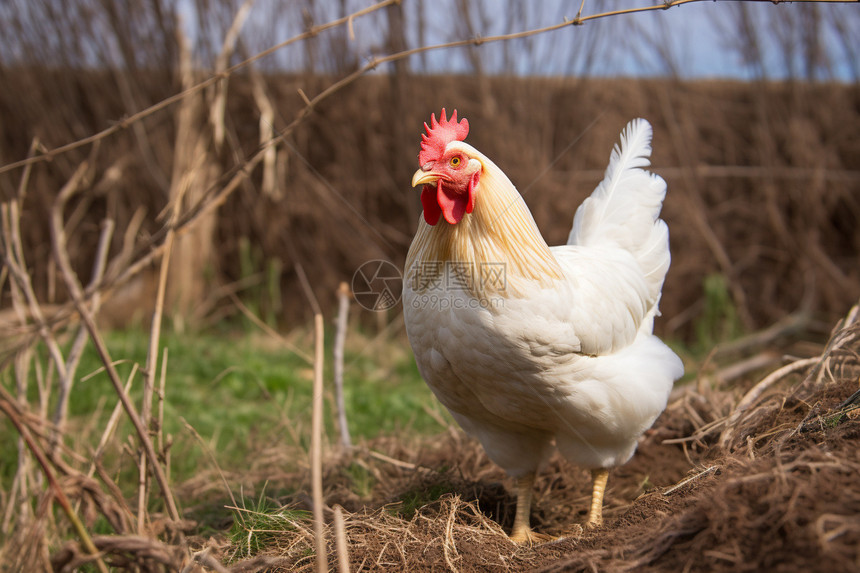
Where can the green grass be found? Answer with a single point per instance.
(361, 480)
(719, 321)
(257, 524)
(239, 391)
(415, 499)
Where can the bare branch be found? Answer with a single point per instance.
(316, 443)
(343, 296)
(58, 237)
(49, 154)
(77, 349)
(57, 491)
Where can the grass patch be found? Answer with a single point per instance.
(719, 320)
(237, 391)
(258, 527)
(415, 499)
(361, 480)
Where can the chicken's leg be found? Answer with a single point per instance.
(595, 514)
(522, 531)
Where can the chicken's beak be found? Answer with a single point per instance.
(422, 177)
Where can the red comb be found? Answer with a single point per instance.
(440, 134)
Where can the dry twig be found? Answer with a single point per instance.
(343, 296)
(86, 540)
(61, 254)
(317, 424)
(341, 544)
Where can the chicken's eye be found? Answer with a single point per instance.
(455, 161)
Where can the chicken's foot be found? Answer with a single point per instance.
(595, 515)
(522, 531)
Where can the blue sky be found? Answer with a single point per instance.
(696, 40)
(699, 40)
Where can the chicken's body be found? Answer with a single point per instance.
(531, 347)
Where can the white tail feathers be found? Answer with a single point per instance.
(624, 210)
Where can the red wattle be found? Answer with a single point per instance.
(447, 202)
(452, 203)
(431, 206)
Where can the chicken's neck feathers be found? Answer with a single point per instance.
(499, 231)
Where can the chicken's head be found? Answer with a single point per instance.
(448, 173)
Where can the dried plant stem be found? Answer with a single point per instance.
(149, 374)
(161, 386)
(343, 295)
(317, 423)
(228, 46)
(19, 488)
(316, 443)
(61, 498)
(155, 333)
(270, 186)
(14, 258)
(76, 351)
(842, 334)
(708, 470)
(449, 546)
(143, 435)
(24, 182)
(756, 391)
(340, 541)
(61, 254)
(183, 173)
(111, 425)
(141, 493)
(25, 303)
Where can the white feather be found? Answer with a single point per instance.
(624, 210)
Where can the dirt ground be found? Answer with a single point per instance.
(755, 478)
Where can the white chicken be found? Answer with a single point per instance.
(532, 347)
